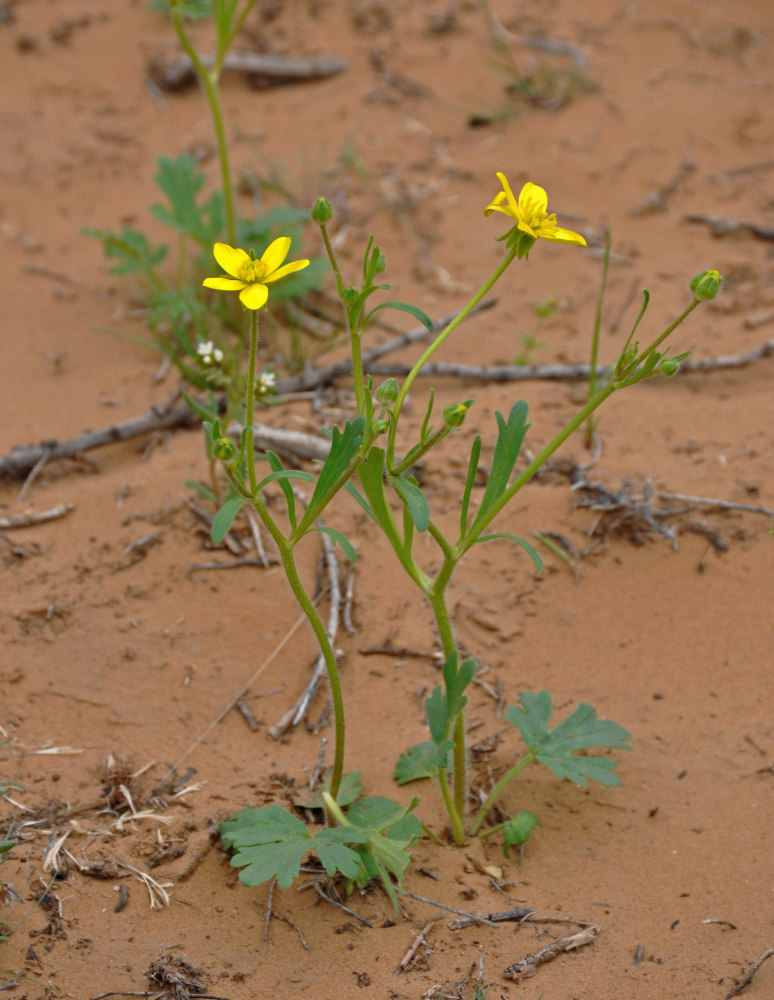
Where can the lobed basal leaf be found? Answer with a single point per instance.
(580, 731)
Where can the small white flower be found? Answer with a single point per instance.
(265, 382)
(209, 354)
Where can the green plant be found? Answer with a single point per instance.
(195, 330)
(371, 837)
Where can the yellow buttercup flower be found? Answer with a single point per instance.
(530, 213)
(250, 277)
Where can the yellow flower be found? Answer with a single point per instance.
(250, 277)
(530, 213)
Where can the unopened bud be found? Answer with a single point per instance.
(387, 392)
(224, 449)
(705, 286)
(669, 367)
(454, 413)
(322, 211)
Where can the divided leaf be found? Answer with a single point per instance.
(510, 438)
(343, 449)
(270, 842)
(422, 760)
(580, 731)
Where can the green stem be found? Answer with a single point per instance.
(497, 791)
(437, 596)
(465, 543)
(309, 609)
(442, 336)
(209, 80)
(662, 337)
(595, 337)
(250, 403)
(352, 324)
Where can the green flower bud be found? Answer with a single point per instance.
(669, 367)
(379, 426)
(705, 286)
(322, 211)
(224, 449)
(454, 413)
(387, 392)
(349, 295)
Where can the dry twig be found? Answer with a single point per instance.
(748, 978)
(527, 966)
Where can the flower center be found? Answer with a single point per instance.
(252, 271)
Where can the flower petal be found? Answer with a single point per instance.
(229, 258)
(294, 265)
(560, 235)
(275, 253)
(514, 206)
(533, 199)
(496, 205)
(224, 284)
(254, 296)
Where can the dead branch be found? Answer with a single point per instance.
(23, 459)
(36, 517)
(520, 914)
(746, 980)
(275, 69)
(527, 966)
(720, 227)
(162, 416)
(563, 373)
(414, 947)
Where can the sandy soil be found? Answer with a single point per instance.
(122, 657)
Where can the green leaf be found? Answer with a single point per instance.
(333, 852)
(205, 412)
(457, 679)
(580, 731)
(282, 474)
(517, 830)
(390, 830)
(346, 546)
(406, 307)
(437, 715)
(181, 181)
(193, 9)
(276, 466)
(414, 499)
(510, 438)
(270, 842)
(225, 518)
(353, 491)
(475, 453)
(445, 703)
(519, 541)
(131, 248)
(370, 473)
(350, 789)
(422, 760)
(343, 449)
(204, 491)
